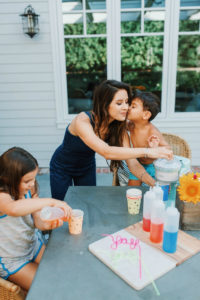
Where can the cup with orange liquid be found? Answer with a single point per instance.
(76, 221)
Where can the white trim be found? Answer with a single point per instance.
(58, 52)
(166, 59)
(84, 36)
(113, 40)
(173, 50)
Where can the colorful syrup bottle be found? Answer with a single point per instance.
(158, 191)
(157, 221)
(148, 198)
(171, 225)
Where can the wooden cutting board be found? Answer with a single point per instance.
(187, 245)
(131, 255)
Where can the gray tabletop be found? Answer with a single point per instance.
(69, 271)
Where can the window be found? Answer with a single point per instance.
(85, 37)
(142, 44)
(151, 44)
(188, 64)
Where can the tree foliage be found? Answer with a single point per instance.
(141, 56)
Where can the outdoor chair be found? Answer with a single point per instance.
(10, 291)
(179, 147)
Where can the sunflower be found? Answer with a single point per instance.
(189, 188)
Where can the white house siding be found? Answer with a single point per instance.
(27, 91)
(188, 130)
(27, 96)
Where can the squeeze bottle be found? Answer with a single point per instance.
(157, 221)
(158, 191)
(148, 198)
(171, 225)
(49, 213)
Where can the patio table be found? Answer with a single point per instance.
(69, 271)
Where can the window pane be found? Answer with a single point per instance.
(154, 3)
(189, 20)
(184, 3)
(130, 22)
(68, 5)
(86, 66)
(154, 21)
(96, 23)
(131, 4)
(188, 74)
(142, 62)
(73, 24)
(95, 4)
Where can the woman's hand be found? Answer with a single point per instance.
(159, 152)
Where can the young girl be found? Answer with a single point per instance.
(102, 130)
(21, 247)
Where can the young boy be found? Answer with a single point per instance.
(143, 134)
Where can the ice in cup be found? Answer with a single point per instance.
(133, 200)
(52, 214)
(76, 221)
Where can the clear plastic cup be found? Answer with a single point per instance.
(76, 221)
(133, 197)
(51, 214)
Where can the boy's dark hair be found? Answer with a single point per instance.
(14, 164)
(150, 101)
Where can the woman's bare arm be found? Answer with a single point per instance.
(81, 127)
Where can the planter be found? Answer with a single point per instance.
(189, 214)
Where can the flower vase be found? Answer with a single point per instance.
(189, 214)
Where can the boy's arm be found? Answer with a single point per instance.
(156, 139)
(136, 168)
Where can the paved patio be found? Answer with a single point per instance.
(103, 179)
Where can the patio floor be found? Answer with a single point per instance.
(103, 179)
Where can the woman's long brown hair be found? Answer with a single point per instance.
(103, 96)
(14, 164)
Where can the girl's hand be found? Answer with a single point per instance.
(159, 152)
(63, 205)
(153, 141)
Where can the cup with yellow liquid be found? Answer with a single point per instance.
(133, 197)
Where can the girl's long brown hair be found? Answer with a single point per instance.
(14, 164)
(103, 96)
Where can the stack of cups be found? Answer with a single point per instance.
(133, 200)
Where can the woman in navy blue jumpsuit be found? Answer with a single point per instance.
(102, 130)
